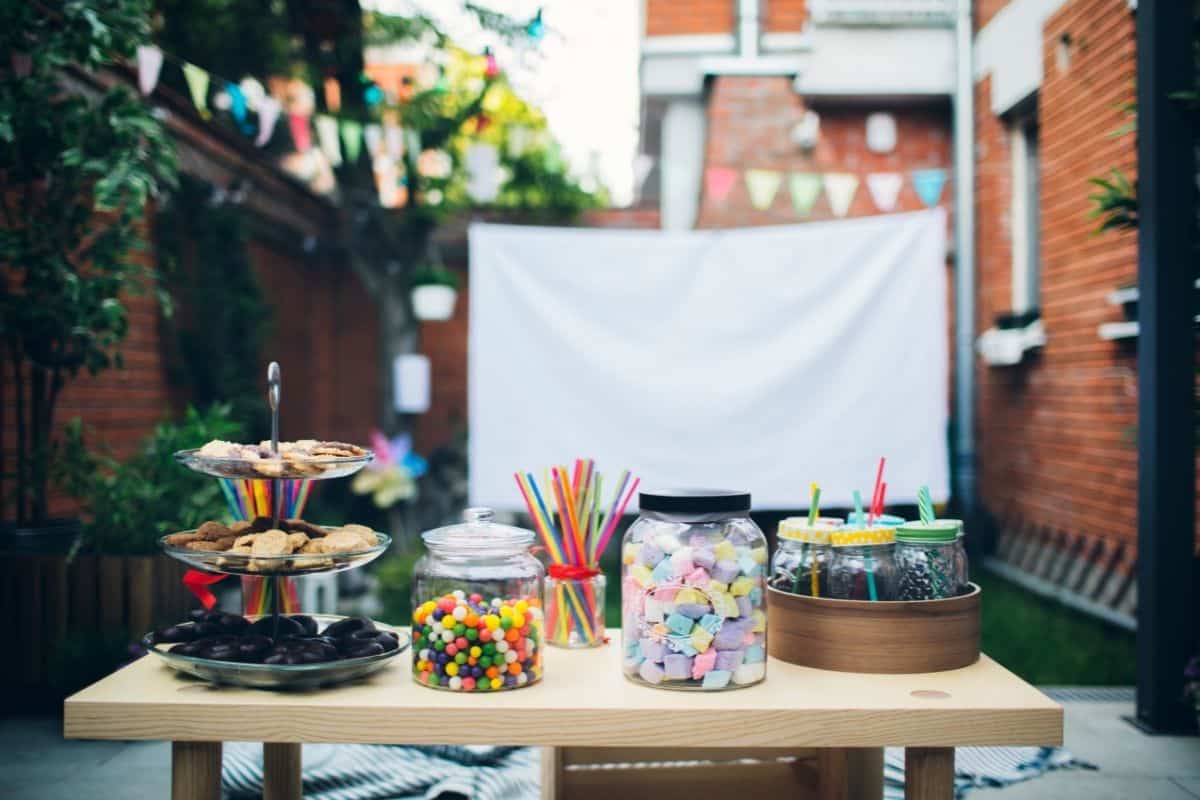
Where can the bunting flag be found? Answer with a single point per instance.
(301, 132)
(352, 131)
(718, 182)
(519, 138)
(840, 188)
(928, 183)
(327, 137)
(333, 95)
(197, 81)
(805, 188)
(762, 185)
(268, 115)
(149, 66)
(885, 189)
(237, 107)
(483, 172)
(393, 137)
(373, 135)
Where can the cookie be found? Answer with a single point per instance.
(300, 526)
(245, 540)
(182, 538)
(260, 524)
(200, 544)
(297, 540)
(212, 531)
(363, 532)
(342, 541)
(271, 543)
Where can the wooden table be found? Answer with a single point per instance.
(585, 711)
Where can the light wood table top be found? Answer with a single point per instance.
(583, 700)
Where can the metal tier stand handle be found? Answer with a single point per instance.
(274, 382)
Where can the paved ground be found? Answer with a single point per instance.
(35, 763)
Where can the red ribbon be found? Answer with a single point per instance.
(198, 582)
(572, 572)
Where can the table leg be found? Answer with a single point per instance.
(195, 771)
(853, 773)
(551, 773)
(928, 773)
(281, 771)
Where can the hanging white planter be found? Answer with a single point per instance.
(434, 302)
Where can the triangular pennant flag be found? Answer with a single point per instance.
(483, 172)
(301, 132)
(393, 136)
(149, 65)
(352, 139)
(885, 189)
(197, 81)
(268, 115)
(237, 106)
(840, 188)
(762, 185)
(373, 134)
(718, 181)
(928, 183)
(805, 188)
(327, 137)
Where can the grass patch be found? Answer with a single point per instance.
(1047, 643)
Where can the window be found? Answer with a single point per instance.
(1025, 222)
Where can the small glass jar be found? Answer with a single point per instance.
(574, 607)
(477, 607)
(800, 564)
(862, 564)
(962, 569)
(692, 601)
(926, 560)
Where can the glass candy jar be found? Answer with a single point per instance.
(862, 563)
(926, 560)
(692, 605)
(800, 564)
(477, 615)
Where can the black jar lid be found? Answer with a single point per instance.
(694, 501)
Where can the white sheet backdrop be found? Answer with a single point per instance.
(756, 359)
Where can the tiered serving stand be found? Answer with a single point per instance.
(276, 568)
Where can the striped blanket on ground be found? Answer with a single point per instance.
(376, 772)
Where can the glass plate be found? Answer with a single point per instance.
(265, 469)
(295, 564)
(280, 676)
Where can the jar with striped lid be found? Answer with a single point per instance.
(862, 563)
(800, 564)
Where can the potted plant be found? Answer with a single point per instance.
(434, 290)
(81, 157)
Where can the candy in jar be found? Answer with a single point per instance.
(692, 573)
(862, 563)
(926, 560)
(477, 615)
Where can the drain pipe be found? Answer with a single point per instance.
(747, 28)
(964, 272)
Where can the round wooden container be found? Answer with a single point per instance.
(858, 636)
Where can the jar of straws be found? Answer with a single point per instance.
(575, 526)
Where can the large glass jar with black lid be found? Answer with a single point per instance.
(693, 567)
(477, 607)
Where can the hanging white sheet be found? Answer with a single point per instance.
(757, 359)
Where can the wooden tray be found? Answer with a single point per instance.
(885, 637)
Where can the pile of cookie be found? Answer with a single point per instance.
(292, 639)
(300, 459)
(255, 545)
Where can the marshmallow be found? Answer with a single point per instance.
(651, 672)
(725, 551)
(753, 654)
(679, 624)
(702, 663)
(652, 649)
(681, 560)
(725, 571)
(717, 679)
(749, 673)
(650, 555)
(703, 557)
(697, 577)
(677, 667)
(693, 610)
(641, 575)
(701, 639)
(667, 542)
(742, 586)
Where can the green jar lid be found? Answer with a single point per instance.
(942, 530)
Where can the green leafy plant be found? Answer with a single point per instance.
(129, 505)
(81, 157)
(1115, 202)
(434, 274)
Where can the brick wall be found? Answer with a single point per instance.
(749, 126)
(784, 16)
(679, 17)
(1057, 449)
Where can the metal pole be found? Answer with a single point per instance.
(1166, 345)
(964, 268)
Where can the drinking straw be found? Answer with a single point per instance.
(568, 501)
(813, 508)
(875, 509)
(614, 515)
(868, 562)
(925, 505)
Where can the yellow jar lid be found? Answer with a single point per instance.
(797, 529)
(860, 536)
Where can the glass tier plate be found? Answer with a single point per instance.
(295, 564)
(265, 469)
(279, 676)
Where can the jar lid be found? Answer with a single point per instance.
(941, 530)
(856, 537)
(797, 529)
(886, 520)
(694, 501)
(957, 522)
(477, 533)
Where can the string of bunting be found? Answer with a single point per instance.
(840, 188)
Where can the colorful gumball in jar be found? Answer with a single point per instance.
(477, 609)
